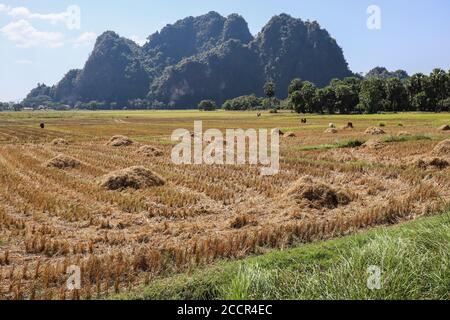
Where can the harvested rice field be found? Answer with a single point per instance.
(98, 190)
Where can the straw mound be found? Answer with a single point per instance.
(289, 135)
(134, 177)
(442, 149)
(437, 163)
(119, 141)
(317, 195)
(331, 130)
(374, 131)
(445, 127)
(404, 134)
(373, 144)
(60, 142)
(62, 161)
(150, 151)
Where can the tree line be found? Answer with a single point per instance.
(426, 93)
(373, 94)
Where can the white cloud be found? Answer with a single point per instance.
(140, 41)
(24, 61)
(25, 13)
(4, 7)
(84, 39)
(25, 35)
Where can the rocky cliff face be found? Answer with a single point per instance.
(205, 57)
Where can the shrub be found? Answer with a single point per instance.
(207, 105)
(250, 102)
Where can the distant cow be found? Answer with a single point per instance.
(259, 114)
(349, 125)
(42, 125)
(304, 120)
(332, 125)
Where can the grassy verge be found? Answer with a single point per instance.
(352, 143)
(414, 259)
(416, 137)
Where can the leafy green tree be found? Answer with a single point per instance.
(346, 94)
(344, 98)
(415, 84)
(420, 102)
(207, 105)
(396, 94)
(93, 105)
(444, 105)
(372, 95)
(271, 103)
(448, 85)
(326, 99)
(308, 94)
(296, 100)
(295, 85)
(439, 84)
(269, 89)
(243, 103)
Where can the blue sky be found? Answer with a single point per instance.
(36, 45)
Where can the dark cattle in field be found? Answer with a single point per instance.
(258, 115)
(349, 125)
(42, 125)
(304, 120)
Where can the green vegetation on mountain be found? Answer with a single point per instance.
(206, 57)
(383, 73)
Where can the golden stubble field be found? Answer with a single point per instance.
(52, 218)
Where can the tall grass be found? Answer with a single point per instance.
(414, 259)
(414, 263)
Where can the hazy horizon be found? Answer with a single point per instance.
(37, 46)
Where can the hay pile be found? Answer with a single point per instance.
(119, 141)
(445, 127)
(331, 130)
(373, 144)
(317, 195)
(374, 131)
(442, 149)
(150, 151)
(59, 142)
(404, 134)
(62, 161)
(137, 177)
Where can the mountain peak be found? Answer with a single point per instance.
(236, 28)
(208, 56)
